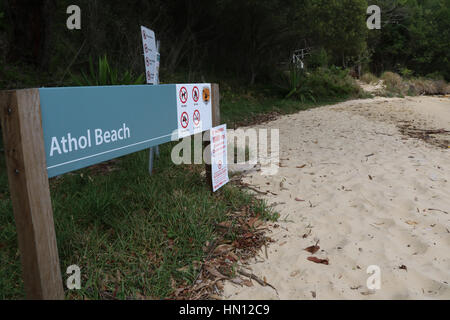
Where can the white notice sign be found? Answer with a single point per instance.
(150, 55)
(193, 108)
(219, 166)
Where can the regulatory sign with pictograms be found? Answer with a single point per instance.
(183, 95)
(191, 100)
(206, 93)
(195, 94)
(150, 55)
(196, 117)
(184, 120)
(219, 167)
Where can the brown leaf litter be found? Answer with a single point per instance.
(223, 254)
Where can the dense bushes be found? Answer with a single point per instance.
(322, 83)
(369, 78)
(394, 83)
(398, 86)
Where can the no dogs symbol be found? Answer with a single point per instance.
(184, 120)
(183, 95)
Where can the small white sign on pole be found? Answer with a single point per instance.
(158, 58)
(193, 108)
(150, 55)
(219, 165)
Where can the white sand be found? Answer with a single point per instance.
(359, 221)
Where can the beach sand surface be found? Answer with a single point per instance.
(352, 184)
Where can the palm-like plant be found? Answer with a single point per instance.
(105, 75)
(296, 88)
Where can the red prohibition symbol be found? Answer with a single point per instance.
(196, 117)
(184, 120)
(195, 94)
(183, 95)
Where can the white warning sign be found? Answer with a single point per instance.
(193, 108)
(151, 55)
(219, 166)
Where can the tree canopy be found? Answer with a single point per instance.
(246, 39)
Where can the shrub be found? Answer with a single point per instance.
(406, 73)
(105, 75)
(394, 83)
(421, 86)
(323, 83)
(317, 59)
(369, 78)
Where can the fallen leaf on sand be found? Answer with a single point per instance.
(224, 248)
(247, 283)
(411, 223)
(301, 167)
(213, 271)
(219, 285)
(312, 249)
(299, 200)
(403, 267)
(366, 293)
(317, 260)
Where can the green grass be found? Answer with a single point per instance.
(131, 233)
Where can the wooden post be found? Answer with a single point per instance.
(215, 111)
(30, 194)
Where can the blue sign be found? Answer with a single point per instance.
(86, 125)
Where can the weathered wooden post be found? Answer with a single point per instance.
(215, 114)
(30, 194)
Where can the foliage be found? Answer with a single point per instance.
(322, 83)
(369, 78)
(397, 86)
(318, 59)
(105, 75)
(296, 88)
(406, 73)
(414, 35)
(423, 86)
(394, 83)
(246, 39)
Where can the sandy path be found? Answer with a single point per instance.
(368, 192)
